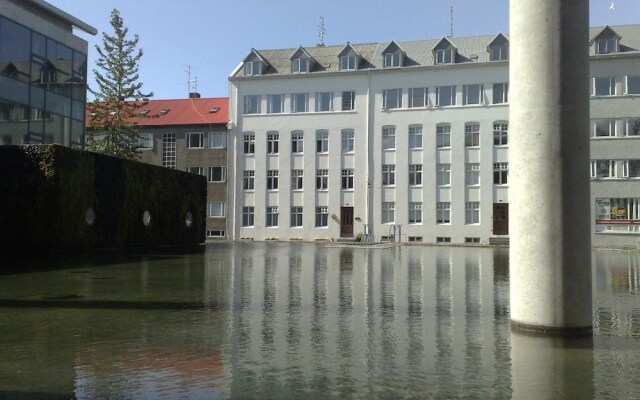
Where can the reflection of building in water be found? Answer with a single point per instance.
(297, 310)
(43, 74)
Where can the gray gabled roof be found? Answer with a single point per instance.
(418, 52)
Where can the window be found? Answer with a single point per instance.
(296, 179)
(392, 98)
(215, 234)
(145, 141)
(472, 174)
(443, 135)
(415, 175)
(472, 135)
(348, 62)
(604, 127)
(248, 182)
(322, 217)
(249, 143)
(472, 212)
(347, 179)
(392, 59)
(388, 212)
(500, 93)
(633, 84)
(499, 52)
(500, 133)
(414, 239)
(444, 56)
(348, 100)
(299, 102)
(604, 86)
(169, 150)
(388, 175)
(443, 239)
(443, 213)
(500, 173)
(322, 141)
(299, 65)
(275, 104)
(252, 68)
(415, 213)
(348, 137)
(273, 140)
(297, 141)
(603, 169)
(217, 174)
(606, 45)
(470, 240)
(322, 179)
(247, 216)
(195, 140)
(252, 104)
(443, 174)
(632, 169)
(271, 217)
(217, 140)
(472, 94)
(324, 101)
(632, 127)
(418, 97)
(388, 137)
(296, 216)
(215, 209)
(445, 96)
(415, 136)
(272, 179)
(195, 170)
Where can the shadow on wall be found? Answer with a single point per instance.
(53, 198)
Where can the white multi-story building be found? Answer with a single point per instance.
(411, 139)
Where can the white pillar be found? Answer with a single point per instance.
(550, 238)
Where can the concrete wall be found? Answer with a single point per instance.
(53, 198)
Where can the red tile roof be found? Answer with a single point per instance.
(184, 112)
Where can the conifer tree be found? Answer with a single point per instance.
(118, 97)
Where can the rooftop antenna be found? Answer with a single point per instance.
(322, 32)
(190, 82)
(451, 21)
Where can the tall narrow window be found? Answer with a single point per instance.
(194, 140)
(632, 126)
(273, 141)
(271, 217)
(249, 146)
(388, 137)
(388, 175)
(443, 174)
(347, 179)
(500, 93)
(322, 141)
(297, 141)
(472, 212)
(322, 217)
(169, 150)
(472, 135)
(415, 175)
(348, 138)
(272, 179)
(443, 136)
(443, 213)
(415, 136)
(500, 173)
(248, 180)
(217, 174)
(296, 216)
(472, 174)
(247, 216)
(415, 213)
(348, 100)
(322, 179)
(633, 85)
(296, 179)
(388, 212)
(500, 133)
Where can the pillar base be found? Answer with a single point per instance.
(551, 331)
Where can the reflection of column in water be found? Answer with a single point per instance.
(295, 371)
(318, 324)
(388, 335)
(473, 370)
(444, 326)
(551, 368)
(345, 355)
(501, 327)
(414, 316)
(268, 305)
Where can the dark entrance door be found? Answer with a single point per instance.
(346, 221)
(500, 218)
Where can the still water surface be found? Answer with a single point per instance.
(273, 320)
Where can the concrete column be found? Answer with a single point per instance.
(550, 249)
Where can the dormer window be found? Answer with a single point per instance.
(606, 45)
(299, 65)
(444, 56)
(348, 62)
(392, 59)
(499, 48)
(252, 68)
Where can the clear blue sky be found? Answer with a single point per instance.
(213, 36)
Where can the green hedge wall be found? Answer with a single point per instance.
(48, 194)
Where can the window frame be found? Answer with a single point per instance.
(248, 180)
(472, 213)
(443, 136)
(501, 173)
(388, 137)
(424, 97)
(346, 181)
(443, 212)
(636, 84)
(199, 142)
(273, 142)
(297, 214)
(248, 216)
(466, 96)
(471, 134)
(300, 65)
(211, 209)
(415, 136)
(388, 175)
(271, 216)
(501, 133)
(415, 174)
(322, 179)
(248, 143)
(396, 102)
(322, 217)
(440, 96)
(297, 142)
(388, 212)
(252, 104)
(272, 179)
(320, 106)
(611, 86)
(348, 100)
(500, 93)
(296, 100)
(297, 179)
(472, 174)
(271, 102)
(443, 174)
(415, 213)
(322, 141)
(348, 141)
(223, 174)
(211, 142)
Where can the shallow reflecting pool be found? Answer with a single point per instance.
(274, 320)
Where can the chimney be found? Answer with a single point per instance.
(194, 95)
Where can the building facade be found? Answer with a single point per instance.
(190, 135)
(43, 72)
(410, 140)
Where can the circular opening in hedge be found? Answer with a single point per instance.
(188, 219)
(90, 217)
(146, 218)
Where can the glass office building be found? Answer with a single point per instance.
(43, 80)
